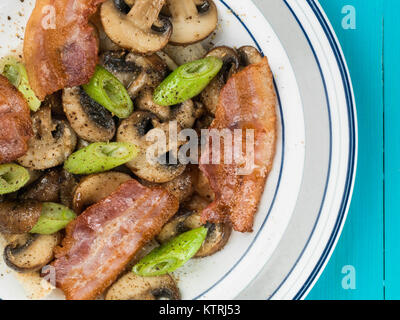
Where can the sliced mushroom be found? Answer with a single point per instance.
(181, 187)
(172, 65)
(46, 189)
(189, 218)
(202, 186)
(182, 55)
(52, 143)
(53, 186)
(31, 252)
(133, 287)
(68, 184)
(249, 55)
(90, 120)
(135, 71)
(139, 28)
(192, 21)
(184, 113)
(137, 129)
(19, 217)
(105, 43)
(95, 187)
(210, 95)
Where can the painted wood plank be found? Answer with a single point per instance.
(360, 248)
(392, 148)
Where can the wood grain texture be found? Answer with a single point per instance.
(361, 244)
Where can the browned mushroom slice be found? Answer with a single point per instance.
(46, 189)
(133, 287)
(210, 95)
(105, 43)
(249, 55)
(90, 120)
(53, 186)
(161, 165)
(31, 252)
(182, 55)
(184, 113)
(67, 187)
(135, 71)
(52, 143)
(19, 217)
(181, 187)
(189, 218)
(171, 63)
(202, 186)
(192, 20)
(139, 28)
(96, 187)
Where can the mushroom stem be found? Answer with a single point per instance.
(145, 12)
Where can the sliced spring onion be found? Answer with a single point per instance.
(187, 81)
(15, 72)
(107, 90)
(100, 157)
(54, 217)
(12, 177)
(171, 255)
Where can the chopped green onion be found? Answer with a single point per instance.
(100, 157)
(12, 177)
(54, 217)
(15, 72)
(171, 255)
(107, 90)
(187, 81)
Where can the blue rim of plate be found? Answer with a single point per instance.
(350, 173)
(351, 161)
(352, 143)
(280, 169)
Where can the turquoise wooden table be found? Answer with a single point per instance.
(365, 262)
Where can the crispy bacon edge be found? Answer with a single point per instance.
(60, 46)
(247, 101)
(91, 227)
(15, 122)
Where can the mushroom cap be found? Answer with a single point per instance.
(136, 130)
(249, 55)
(210, 95)
(189, 218)
(45, 189)
(184, 113)
(181, 187)
(137, 30)
(31, 252)
(52, 143)
(135, 71)
(91, 121)
(96, 187)
(133, 287)
(19, 217)
(190, 22)
(185, 54)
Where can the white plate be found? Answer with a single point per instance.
(307, 194)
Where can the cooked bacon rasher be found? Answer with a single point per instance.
(60, 46)
(105, 237)
(15, 122)
(247, 101)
